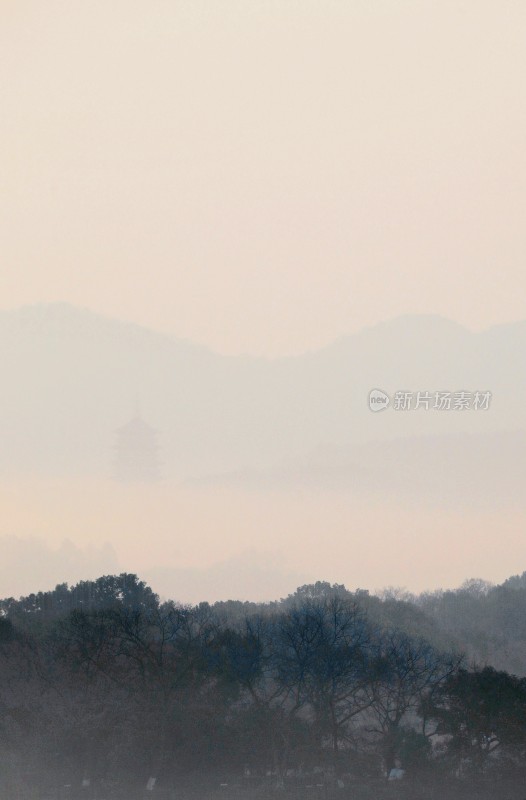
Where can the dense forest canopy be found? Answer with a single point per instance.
(102, 684)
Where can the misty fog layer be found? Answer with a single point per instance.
(270, 470)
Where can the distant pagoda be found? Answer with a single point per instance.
(136, 453)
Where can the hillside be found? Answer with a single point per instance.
(71, 377)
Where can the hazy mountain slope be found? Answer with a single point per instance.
(475, 470)
(71, 377)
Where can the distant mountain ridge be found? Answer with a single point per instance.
(70, 377)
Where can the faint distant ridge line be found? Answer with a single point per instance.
(64, 315)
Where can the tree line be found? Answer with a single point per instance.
(103, 687)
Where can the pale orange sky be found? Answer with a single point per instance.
(317, 535)
(264, 176)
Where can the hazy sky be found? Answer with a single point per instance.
(279, 538)
(264, 176)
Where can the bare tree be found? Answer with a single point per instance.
(408, 671)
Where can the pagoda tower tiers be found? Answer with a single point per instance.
(136, 456)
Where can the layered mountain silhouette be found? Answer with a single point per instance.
(71, 378)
